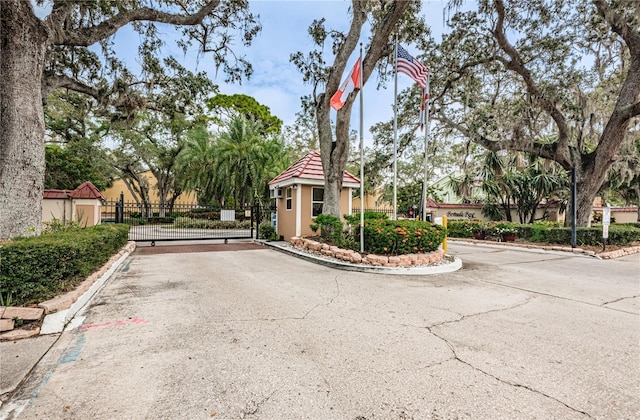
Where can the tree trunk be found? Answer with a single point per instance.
(334, 155)
(23, 42)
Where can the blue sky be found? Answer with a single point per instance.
(276, 82)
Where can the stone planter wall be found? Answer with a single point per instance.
(350, 256)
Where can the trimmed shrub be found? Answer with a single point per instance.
(38, 268)
(267, 231)
(463, 228)
(331, 228)
(619, 234)
(189, 223)
(400, 237)
(209, 215)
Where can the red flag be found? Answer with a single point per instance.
(352, 82)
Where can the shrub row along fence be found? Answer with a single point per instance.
(155, 222)
(546, 232)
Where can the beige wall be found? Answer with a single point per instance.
(622, 214)
(372, 201)
(287, 218)
(86, 212)
(305, 211)
(113, 193)
(463, 212)
(58, 209)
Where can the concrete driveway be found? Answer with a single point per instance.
(261, 334)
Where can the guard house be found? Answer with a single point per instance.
(299, 194)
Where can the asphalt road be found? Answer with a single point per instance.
(261, 334)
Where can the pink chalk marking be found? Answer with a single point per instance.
(117, 323)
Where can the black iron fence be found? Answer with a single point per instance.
(153, 222)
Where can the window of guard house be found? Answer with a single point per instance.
(289, 192)
(317, 199)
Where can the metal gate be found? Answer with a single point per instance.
(183, 222)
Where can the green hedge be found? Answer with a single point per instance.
(38, 268)
(189, 223)
(550, 232)
(401, 237)
(462, 228)
(619, 234)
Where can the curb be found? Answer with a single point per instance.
(547, 248)
(341, 265)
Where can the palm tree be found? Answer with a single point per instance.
(196, 163)
(234, 168)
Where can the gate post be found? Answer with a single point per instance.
(120, 209)
(255, 217)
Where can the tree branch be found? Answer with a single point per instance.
(516, 64)
(59, 12)
(619, 25)
(50, 83)
(380, 38)
(345, 50)
(546, 151)
(91, 35)
(461, 71)
(630, 111)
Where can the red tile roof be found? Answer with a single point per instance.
(85, 190)
(309, 167)
(56, 194)
(432, 203)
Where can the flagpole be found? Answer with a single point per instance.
(426, 148)
(395, 135)
(361, 157)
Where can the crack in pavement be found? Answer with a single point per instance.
(561, 297)
(330, 300)
(256, 406)
(618, 300)
(464, 317)
(484, 372)
(297, 318)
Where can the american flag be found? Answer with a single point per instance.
(411, 67)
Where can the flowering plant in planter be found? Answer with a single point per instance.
(503, 228)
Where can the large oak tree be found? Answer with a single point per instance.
(556, 79)
(38, 55)
(384, 18)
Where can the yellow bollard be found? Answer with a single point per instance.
(444, 225)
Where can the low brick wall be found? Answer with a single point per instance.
(347, 255)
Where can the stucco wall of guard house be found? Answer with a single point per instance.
(299, 180)
(286, 225)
